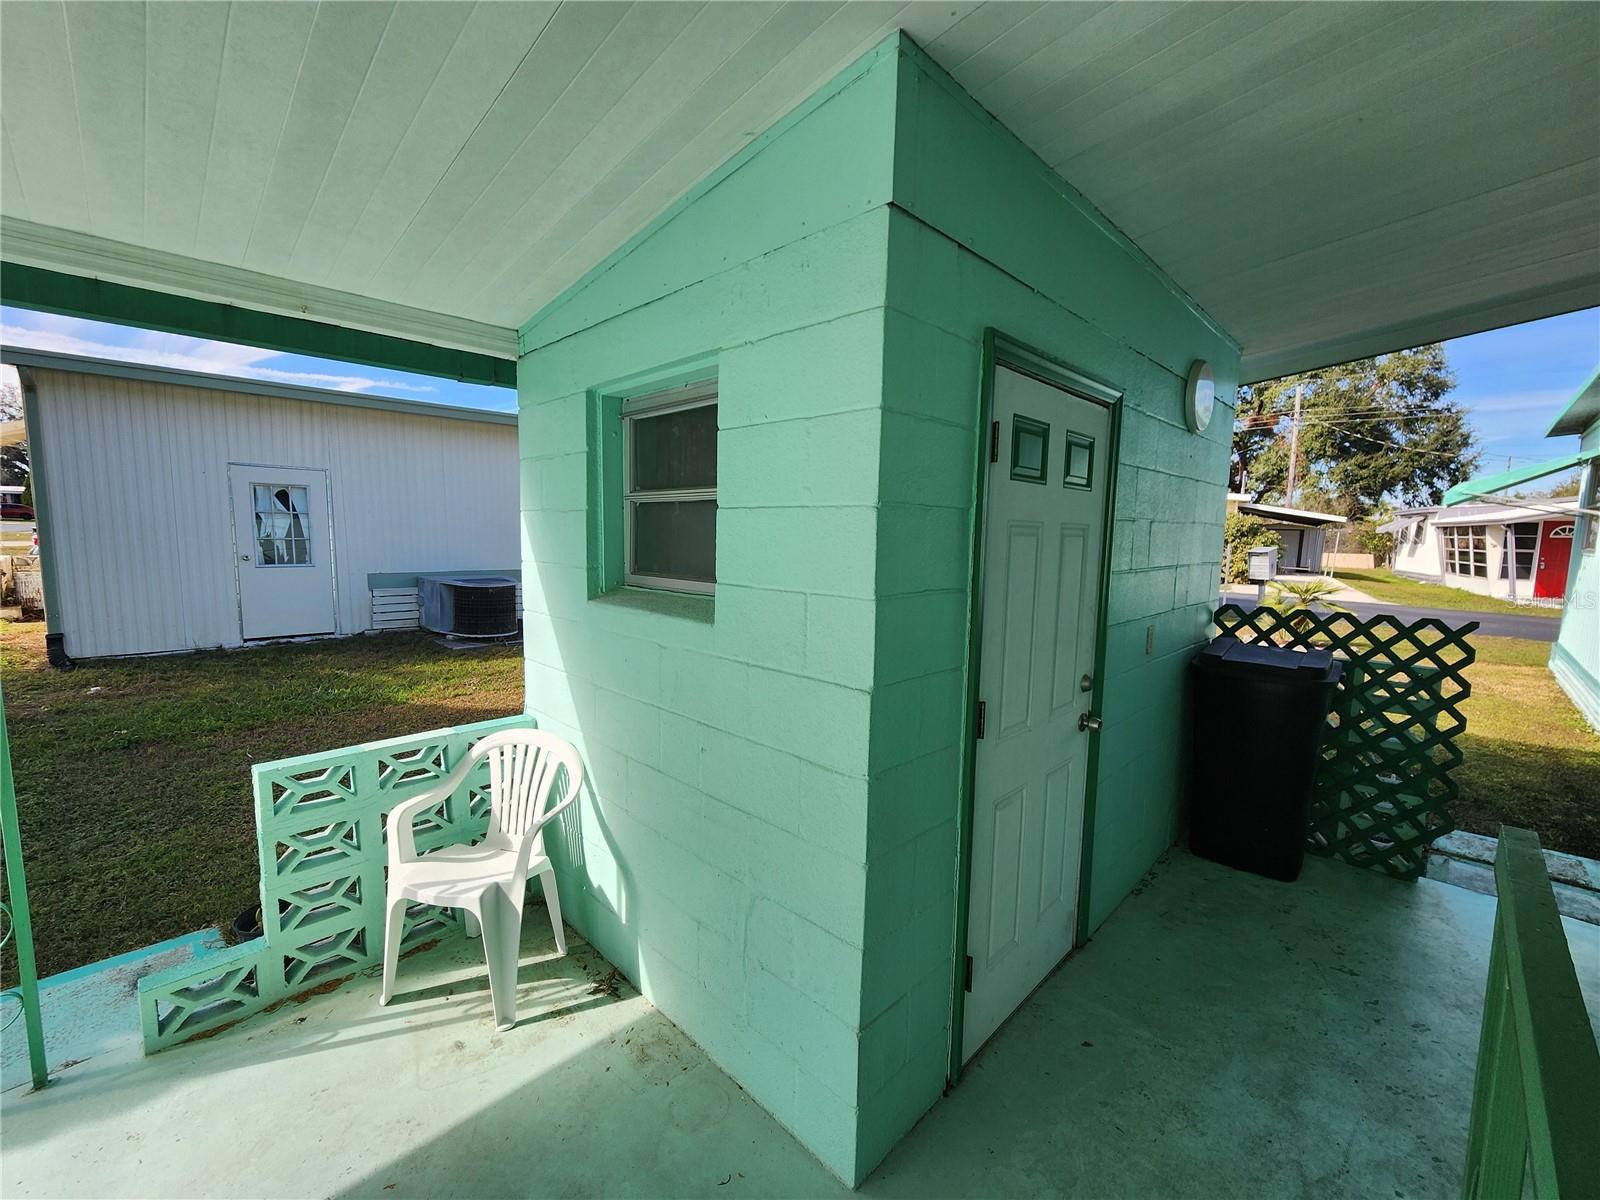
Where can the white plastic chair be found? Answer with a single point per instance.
(487, 880)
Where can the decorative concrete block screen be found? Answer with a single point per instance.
(321, 832)
(1383, 791)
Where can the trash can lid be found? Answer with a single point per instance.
(1236, 657)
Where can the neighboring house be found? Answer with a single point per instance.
(179, 510)
(1302, 534)
(1575, 657)
(1515, 551)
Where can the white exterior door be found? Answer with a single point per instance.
(1040, 592)
(282, 550)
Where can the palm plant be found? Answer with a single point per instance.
(1299, 599)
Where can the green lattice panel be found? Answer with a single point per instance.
(1383, 791)
(321, 829)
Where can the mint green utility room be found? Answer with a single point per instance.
(1043, 532)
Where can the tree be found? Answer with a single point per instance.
(1371, 429)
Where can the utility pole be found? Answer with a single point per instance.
(1294, 446)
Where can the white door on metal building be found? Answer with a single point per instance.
(283, 548)
(1041, 587)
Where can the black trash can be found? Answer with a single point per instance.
(1259, 716)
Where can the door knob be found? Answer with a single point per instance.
(1088, 724)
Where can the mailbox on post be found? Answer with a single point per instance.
(1261, 568)
(1262, 564)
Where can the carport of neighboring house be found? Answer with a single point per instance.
(858, 787)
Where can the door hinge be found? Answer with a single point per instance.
(982, 714)
(994, 442)
(966, 983)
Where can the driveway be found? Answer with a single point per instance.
(1539, 629)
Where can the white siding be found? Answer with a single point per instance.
(136, 477)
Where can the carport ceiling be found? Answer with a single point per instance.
(1324, 179)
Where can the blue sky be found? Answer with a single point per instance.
(1513, 381)
(95, 339)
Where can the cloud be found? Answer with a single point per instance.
(1550, 400)
(64, 335)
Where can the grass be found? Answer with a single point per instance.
(1529, 758)
(1385, 586)
(133, 777)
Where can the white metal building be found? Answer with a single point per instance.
(1302, 533)
(179, 510)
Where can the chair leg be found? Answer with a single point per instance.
(473, 928)
(502, 934)
(552, 900)
(394, 924)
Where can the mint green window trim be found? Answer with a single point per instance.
(1078, 470)
(606, 522)
(1027, 433)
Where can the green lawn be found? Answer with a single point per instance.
(133, 777)
(1530, 759)
(1384, 585)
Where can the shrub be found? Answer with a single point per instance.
(1242, 532)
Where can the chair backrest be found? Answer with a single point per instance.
(532, 776)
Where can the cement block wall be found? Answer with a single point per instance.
(984, 235)
(719, 858)
(770, 844)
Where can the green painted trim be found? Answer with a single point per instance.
(1092, 769)
(969, 715)
(604, 565)
(1536, 1096)
(102, 300)
(43, 520)
(405, 579)
(1581, 412)
(1487, 487)
(21, 918)
(998, 349)
(890, 45)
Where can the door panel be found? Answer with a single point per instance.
(282, 551)
(1040, 587)
(1555, 557)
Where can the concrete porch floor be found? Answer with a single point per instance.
(1222, 1036)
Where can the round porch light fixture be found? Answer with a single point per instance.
(1200, 397)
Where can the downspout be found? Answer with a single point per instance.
(54, 640)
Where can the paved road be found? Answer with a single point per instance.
(1540, 629)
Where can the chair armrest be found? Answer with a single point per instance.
(402, 841)
(402, 838)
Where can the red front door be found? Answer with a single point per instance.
(1555, 555)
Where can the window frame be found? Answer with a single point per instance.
(1512, 551)
(1589, 508)
(699, 394)
(1466, 545)
(258, 560)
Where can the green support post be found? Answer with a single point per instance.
(16, 905)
